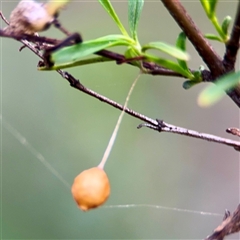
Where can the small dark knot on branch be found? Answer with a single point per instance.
(73, 81)
(161, 125)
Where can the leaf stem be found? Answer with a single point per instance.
(217, 26)
(109, 8)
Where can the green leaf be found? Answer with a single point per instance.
(213, 37)
(225, 24)
(77, 63)
(134, 12)
(210, 9)
(68, 56)
(181, 44)
(109, 8)
(212, 4)
(213, 93)
(169, 49)
(168, 64)
(209, 6)
(206, 6)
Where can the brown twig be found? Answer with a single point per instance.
(230, 56)
(166, 127)
(149, 122)
(232, 45)
(152, 68)
(31, 38)
(230, 225)
(202, 46)
(58, 25)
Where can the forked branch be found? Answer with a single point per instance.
(203, 47)
(217, 66)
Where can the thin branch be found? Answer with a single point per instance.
(3, 18)
(232, 45)
(149, 122)
(152, 68)
(31, 38)
(165, 127)
(76, 84)
(230, 225)
(58, 25)
(205, 50)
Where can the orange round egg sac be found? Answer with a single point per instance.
(91, 188)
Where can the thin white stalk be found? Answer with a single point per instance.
(115, 131)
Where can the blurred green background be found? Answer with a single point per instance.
(71, 131)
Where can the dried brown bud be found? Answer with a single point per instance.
(28, 17)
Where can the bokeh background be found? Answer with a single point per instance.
(71, 131)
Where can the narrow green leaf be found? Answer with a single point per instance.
(134, 12)
(209, 6)
(168, 64)
(109, 8)
(225, 24)
(212, 4)
(181, 41)
(181, 44)
(212, 93)
(206, 6)
(169, 49)
(77, 63)
(213, 37)
(71, 54)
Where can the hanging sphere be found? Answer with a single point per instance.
(91, 188)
